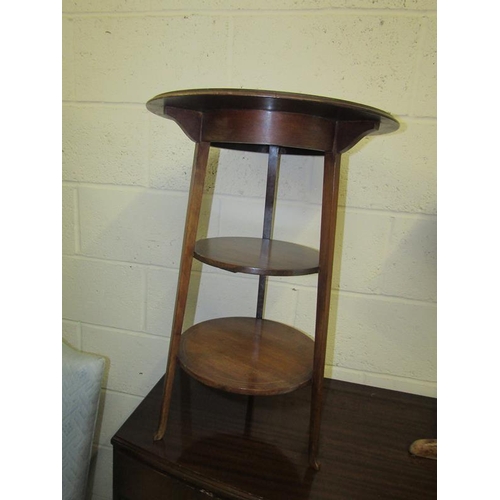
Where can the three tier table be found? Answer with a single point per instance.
(253, 355)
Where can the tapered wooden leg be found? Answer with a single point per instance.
(191, 227)
(273, 167)
(327, 242)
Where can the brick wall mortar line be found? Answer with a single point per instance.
(417, 65)
(133, 333)
(255, 12)
(79, 330)
(380, 374)
(381, 297)
(222, 196)
(82, 103)
(73, 58)
(387, 244)
(215, 271)
(380, 210)
(122, 187)
(106, 446)
(391, 213)
(150, 153)
(410, 382)
(73, 321)
(350, 208)
(123, 263)
(144, 311)
(76, 221)
(131, 396)
(230, 45)
(105, 104)
(392, 298)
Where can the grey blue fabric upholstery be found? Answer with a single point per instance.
(81, 387)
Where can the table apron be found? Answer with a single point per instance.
(249, 126)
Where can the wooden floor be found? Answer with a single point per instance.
(220, 445)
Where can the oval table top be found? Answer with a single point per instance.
(203, 100)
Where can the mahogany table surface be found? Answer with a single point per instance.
(217, 445)
(204, 100)
(253, 120)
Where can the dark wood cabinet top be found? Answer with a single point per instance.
(215, 442)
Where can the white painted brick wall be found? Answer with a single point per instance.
(130, 59)
(245, 174)
(329, 54)
(162, 286)
(81, 6)
(136, 360)
(68, 82)
(170, 156)
(101, 474)
(398, 174)
(126, 174)
(376, 334)
(115, 408)
(357, 269)
(72, 333)
(237, 296)
(136, 225)
(386, 336)
(68, 220)
(105, 144)
(410, 263)
(103, 293)
(424, 100)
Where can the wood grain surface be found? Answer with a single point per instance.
(247, 355)
(254, 120)
(216, 448)
(257, 256)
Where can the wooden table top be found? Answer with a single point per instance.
(214, 443)
(269, 100)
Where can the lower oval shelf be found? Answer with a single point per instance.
(247, 355)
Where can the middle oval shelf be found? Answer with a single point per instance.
(257, 256)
